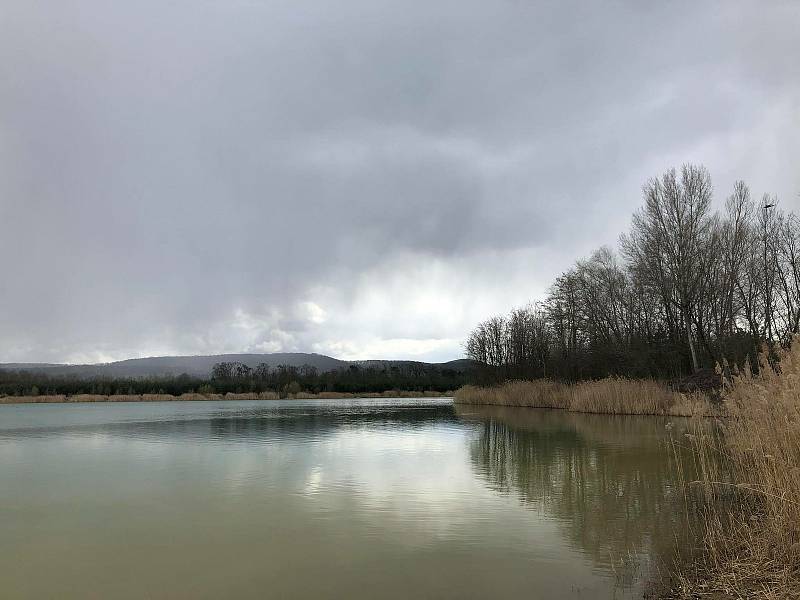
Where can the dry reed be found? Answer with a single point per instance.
(58, 398)
(326, 395)
(749, 490)
(615, 396)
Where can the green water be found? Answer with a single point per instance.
(329, 499)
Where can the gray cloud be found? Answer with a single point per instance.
(364, 179)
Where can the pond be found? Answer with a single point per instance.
(331, 499)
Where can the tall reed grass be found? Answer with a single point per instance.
(749, 489)
(613, 395)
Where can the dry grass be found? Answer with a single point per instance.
(749, 490)
(615, 396)
(32, 399)
(326, 395)
(195, 397)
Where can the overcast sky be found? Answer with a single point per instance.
(365, 179)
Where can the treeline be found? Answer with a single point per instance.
(686, 288)
(239, 378)
(354, 379)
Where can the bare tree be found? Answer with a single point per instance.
(670, 233)
(695, 287)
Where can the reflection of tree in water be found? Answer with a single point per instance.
(316, 421)
(610, 481)
(261, 421)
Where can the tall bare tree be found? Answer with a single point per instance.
(670, 234)
(695, 287)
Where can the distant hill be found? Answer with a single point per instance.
(200, 366)
(460, 364)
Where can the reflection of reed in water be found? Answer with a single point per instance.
(610, 481)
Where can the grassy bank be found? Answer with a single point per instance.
(615, 396)
(62, 398)
(749, 491)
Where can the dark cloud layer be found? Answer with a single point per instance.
(360, 178)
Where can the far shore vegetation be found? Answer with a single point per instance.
(195, 397)
(237, 381)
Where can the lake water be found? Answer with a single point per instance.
(329, 499)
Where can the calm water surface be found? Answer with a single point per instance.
(329, 499)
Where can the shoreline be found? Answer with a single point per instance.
(610, 396)
(228, 397)
(710, 414)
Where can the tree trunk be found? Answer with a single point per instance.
(687, 320)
